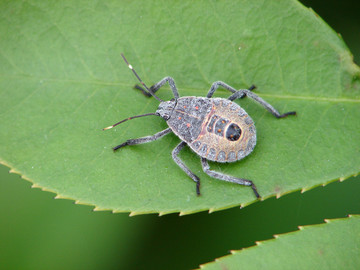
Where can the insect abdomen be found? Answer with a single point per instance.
(228, 133)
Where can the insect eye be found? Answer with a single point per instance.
(233, 132)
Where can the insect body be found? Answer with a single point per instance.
(217, 129)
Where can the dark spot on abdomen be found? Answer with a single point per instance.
(233, 132)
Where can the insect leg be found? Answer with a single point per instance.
(271, 109)
(178, 161)
(171, 82)
(145, 93)
(217, 84)
(144, 139)
(228, 178)
(157, 86)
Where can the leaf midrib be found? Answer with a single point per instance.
(104, 83)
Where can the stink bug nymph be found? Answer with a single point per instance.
(216, 129)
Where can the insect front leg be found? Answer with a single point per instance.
(144, 139)
(217, 84)
(178, 161)
(171, 82)
(271, 109)
(158, 85)
(228, 178)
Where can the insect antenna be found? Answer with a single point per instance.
(132, 117)
(140, 80)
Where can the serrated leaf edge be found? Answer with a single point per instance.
(162, 213)
(275, 237)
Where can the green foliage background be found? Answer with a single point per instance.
(114, 239)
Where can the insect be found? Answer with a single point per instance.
(216, 129)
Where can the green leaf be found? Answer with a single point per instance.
(37, 232)
(334, 245)
(62, 80)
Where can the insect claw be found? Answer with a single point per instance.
(286, 114)
(115, 148)
(255, 191)
(198, 188)
(120, 145)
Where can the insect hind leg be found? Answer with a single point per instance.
(179, 162)
(228, 178)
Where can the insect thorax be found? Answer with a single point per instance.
(165, 109)
(188, 117)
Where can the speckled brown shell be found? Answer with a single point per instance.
(194, 121)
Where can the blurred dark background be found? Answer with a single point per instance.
(38, 232)
(343, 17)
